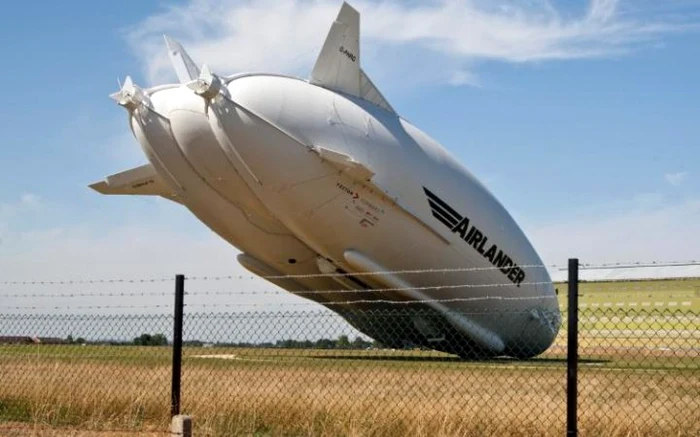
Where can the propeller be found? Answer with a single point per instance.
(204, 83)
(207, 84)
(129, 96)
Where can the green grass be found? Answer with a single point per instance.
(597, 294)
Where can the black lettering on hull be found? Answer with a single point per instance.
(471, 235)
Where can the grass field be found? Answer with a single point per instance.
(682, 294)
(639, 376)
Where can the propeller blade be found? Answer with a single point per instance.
(130, 95)
(207, 84)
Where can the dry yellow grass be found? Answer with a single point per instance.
(312, 393)
(18, 429)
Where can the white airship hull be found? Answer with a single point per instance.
(306, 180)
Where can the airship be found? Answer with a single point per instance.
(331, 195)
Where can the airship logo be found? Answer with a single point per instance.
(460, 225)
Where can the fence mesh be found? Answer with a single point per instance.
(98, 358)
(103, 371)
(310, 373)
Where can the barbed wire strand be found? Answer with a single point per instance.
(583, 266)
(85, 307)
(360, 274)
(386, 301)
(290, 276)
(86, 294)
(90, 281)
(301, 292)
(636, 264)
(610, 292)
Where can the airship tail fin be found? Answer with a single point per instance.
(141, 180)
(338, 64)
(371, 93)
(184, 66)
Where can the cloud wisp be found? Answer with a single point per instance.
(637, 231)
(265, 35)
(676, 179)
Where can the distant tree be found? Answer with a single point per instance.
(343, 342)
(151, 340)
(359, 343)
(143, 340)
(286, 344)
(325, 343)
(69, 339)
(80, 340)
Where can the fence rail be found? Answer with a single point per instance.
(281, 369)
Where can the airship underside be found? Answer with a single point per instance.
(329, 194)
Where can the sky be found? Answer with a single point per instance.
(582, 117)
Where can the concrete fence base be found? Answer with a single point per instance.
(181, 426)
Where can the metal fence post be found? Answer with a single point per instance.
(572, 352)
(177, 345)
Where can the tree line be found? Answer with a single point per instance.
(147, 339)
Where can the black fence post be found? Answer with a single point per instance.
(177, 345)
(572, 352)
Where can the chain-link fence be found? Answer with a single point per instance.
(310, 373)
(84, 371)
(257, 362)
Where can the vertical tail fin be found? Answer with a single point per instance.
(338, 64)
(184, 66)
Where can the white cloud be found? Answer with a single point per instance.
(633, 230)
(14, 210)
(25, 202)
(464, 77)
(446, 35)
(132, 256)
(30, 200)
(676, 179)
(143, 251)
(655, 231)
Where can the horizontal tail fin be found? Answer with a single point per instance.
(141, 180)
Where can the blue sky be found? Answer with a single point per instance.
(582, 117)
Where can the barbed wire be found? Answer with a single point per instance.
(236, 292)
(382, 301)
(290, 276)
(634, 264)
(614, 292)
(84, 307)
(356, 274)
(583, 266)
(424, 288)
(314, 292)
(90, 281)
(86, 294)
(350, 302)
(596, 292)
(273, 292)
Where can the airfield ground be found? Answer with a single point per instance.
(639, 376)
